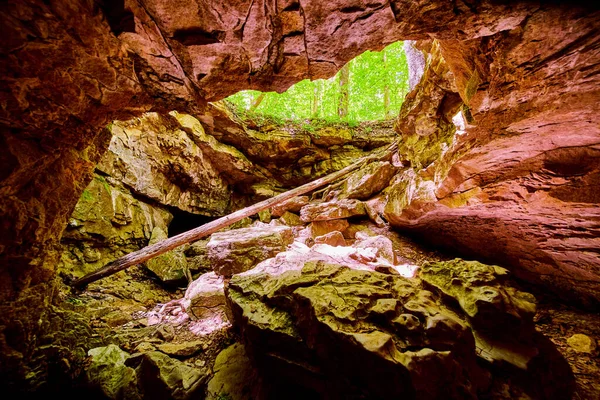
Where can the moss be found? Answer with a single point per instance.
(103, 182)
(87, 195)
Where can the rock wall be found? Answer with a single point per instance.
(518, 187)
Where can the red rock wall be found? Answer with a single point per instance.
(524, 193)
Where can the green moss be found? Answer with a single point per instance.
(87, 195)
(103, 182)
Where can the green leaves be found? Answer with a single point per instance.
(376, 86)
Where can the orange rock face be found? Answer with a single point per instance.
(520, 185)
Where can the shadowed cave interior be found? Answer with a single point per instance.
(458, 258)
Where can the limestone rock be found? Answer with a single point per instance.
(106, 222)
(582, 343)
(337, 209)
(234, 376)
(362, 256)
(290, 219)
(481, 290)
(350, 331)
(197, 257)
(368, 181)
(204, 296)
(384, 246)
(161, 376)
(330, 136)
(501, 315)
(239, 250)
(320, 228)
(159, 159)
(184, 349)
(170, 267)
(334, 239)
(108, 372)
(292, 205)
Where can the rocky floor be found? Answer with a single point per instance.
(133, 311)
(559, 323)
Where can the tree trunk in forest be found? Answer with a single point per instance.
(147, 253)
(317, 89)
(343, 100)
(257, 101)
(386, 88)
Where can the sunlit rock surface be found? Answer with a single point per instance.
(158, 159)
(521, 174)
(331, 210)
(205, 296)
(340, 331)
(106, 223)
(239, 250)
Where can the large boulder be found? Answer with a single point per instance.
(205, 296)
(340, 328)
(239, 250)
(335, 209)
(368, 181)
(170, 267)
(115, 374)
(108, 374)
(107, 222)
(340, 332)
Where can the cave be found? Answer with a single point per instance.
(454, 252)
(185, 221)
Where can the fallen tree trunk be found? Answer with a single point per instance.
(147, 253)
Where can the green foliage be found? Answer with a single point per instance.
(371, 76)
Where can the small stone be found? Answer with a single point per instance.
(582, 343)
(184, 349)
(291, 219)
(334, 239)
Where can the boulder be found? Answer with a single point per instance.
(170, 267)
(239, 250)
(482, 291)
(339, 331)
(336, 209)
(107, 222)
(290, 219)
(582, 343)
(334, 239)
(368, 180)
(205, 296)
(197, 257)
(160, 376)
(500, 314)
(320, 228)
(108, 373)
(234, 376)
(292, 205)
(339, 328)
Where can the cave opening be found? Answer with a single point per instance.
(370, 87)
(184, 221)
